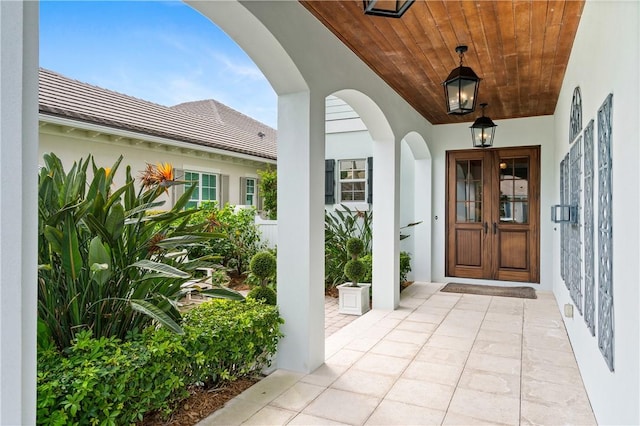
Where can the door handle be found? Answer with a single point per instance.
(486, 227)
(495, 228)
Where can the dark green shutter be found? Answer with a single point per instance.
(329, 182)
(370, 180)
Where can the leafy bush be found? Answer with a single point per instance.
(226, 339)
(108, 381)
(405, 265)
(268, 187)
(105, 264)
(264, 293)
(239, 237)
(111, 382)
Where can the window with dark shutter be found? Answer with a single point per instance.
(329, 182)
(369, 180)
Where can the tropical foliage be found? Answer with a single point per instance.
(344, 224)
(238, 238)
(339, 226)
(105, 265)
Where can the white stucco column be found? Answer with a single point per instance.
(421, 262)
(18, 210)
(386, 229)
(301, 231)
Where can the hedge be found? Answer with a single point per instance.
(107, 381)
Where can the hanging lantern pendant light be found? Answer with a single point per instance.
(483, 130)
(461, 88)
(387, 8)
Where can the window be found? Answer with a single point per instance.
(250, 192)
(206, 188)
(353, 180)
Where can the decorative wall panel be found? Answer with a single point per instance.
(605, 234)
(575, 242)
(564, 199)
(575, 119)
(589, 253)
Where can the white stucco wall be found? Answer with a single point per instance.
(70, 146)
(516, 132)
(605, 60)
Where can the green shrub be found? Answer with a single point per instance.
(405, 265)
(354, 246)
(227, 339)
(355, 270)
(107, 381)
(111, 382)
(266, 294)
(268, 187)
(104, 263)
(263, 265)
(367, 259)
(239, 238)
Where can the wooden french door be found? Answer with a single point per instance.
(493, 214)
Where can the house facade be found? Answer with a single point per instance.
(205, 141)
(298, 56)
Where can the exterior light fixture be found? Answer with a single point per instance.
(564, 213)
(483, 130)
(388, 8)
(461, 88)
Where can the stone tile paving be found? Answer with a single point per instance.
(458, 360)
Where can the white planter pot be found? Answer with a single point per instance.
(353, 300)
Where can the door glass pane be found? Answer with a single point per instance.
(469, 191)
(514, 190)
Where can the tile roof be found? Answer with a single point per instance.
(206, 123)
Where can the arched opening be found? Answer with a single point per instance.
(415, 205)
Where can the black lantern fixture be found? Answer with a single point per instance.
(483, 130)
(388, 8)
(461, 88)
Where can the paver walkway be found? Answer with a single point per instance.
(333, 320)
(441, 358)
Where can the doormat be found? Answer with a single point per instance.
(491, 290)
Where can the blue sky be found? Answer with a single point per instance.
(161, 51)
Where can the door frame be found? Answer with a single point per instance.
(490, 238)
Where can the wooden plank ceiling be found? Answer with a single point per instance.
(519, 48)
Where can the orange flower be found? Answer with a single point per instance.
(161, 175)
(153, 243)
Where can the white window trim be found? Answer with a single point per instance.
(360, 205)
(200, 171)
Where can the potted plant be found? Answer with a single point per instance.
(354, 296)
(263, 266)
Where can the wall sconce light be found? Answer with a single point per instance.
(564, 213)
(461, 88)
(483, 130)
(388, 8)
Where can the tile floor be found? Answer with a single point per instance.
(441, 358)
